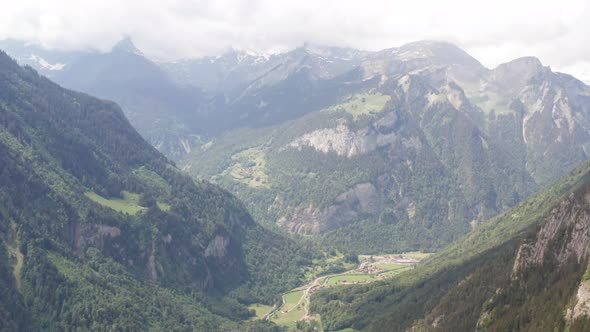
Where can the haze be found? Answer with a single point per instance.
(494, 32)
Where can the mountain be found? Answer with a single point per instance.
(99, 231)
(524, 270)
(45, 61)
(164, 113)
(400, 149)
(178, 106)
(237, 69)
(410, 150)
(257, 91)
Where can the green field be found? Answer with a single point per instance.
(391, 267)
(290, 318)
(163, 206)
(350, 278)
(260, 309)
(361, 104)
(416, 254)
(249, 168)
(291, 299)
(329, 264)
(128, 204)
(395, 272)
(291, 312)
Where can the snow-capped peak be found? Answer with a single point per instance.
(46, 65)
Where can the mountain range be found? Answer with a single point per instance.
(399, 149)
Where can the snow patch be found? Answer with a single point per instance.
(46, 65)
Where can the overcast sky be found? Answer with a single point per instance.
(493, 31)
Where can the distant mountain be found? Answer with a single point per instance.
(163, 112)
(235, 69)
(255, 91)
(524, 270)
(47, 62)
(99, 231)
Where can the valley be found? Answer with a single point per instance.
(237, 192)
(295, 303)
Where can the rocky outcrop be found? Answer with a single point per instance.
(565, 235)
(217, 247)
(349, 206)
(93, 235)
(345, 142)
(582, 306)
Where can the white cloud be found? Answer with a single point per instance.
(493, 31)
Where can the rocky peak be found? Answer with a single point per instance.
(126, 45)
(514, 75)
(565, 235)
(235, 57)
(438, 52)
(329, 52)
(522, 64)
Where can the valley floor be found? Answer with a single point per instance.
(295, 303)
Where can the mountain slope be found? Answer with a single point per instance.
(523, 270)
(416, 146)
(101, 232)
(163, 112)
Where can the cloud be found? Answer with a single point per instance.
(493, 31)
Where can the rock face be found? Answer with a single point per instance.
(217, 247)
(361, 199)
(344, 142)
(92, 235)
(582, 306)
(565, 235)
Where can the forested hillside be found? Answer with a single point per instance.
(524, 270)
(98, 231)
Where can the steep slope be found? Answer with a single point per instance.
(101, 232)
(164, 113)
(523, 270)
